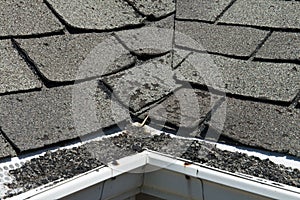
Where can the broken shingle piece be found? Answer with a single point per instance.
(271, 127)
(230, 40)
(26, 18)
(185, 108)
(281, 45)
(96, 15)
(143, 84)
(264, 80)
(264, 13)
(200, 9)
(154, 9)
(74, 57)
(33, 120)
(15, 74)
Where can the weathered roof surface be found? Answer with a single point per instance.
(71, 68)
(26, 18)
(15, 73)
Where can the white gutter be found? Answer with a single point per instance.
(139, 163)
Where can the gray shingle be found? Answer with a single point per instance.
(15, 74)
(184, 108)
(100, 15)
(143, 84)
(273, 81)
(271, 127)
(265, 13)
(238, 41)
(26, 18)
(200, 9)
(166, 23)
(147, 40)
(35, 119)
(154, 9)
(73, 57)
(5, 148)
(281, 45)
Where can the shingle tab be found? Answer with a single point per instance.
(73, 57)
(26, 18)
(265, 13)
(281, 45)
(143, 84)
(147, 40)
(99, 15)
(238, 41)
(271, 127)
(154, 9)
(200, 9)
(32, 120)
(5, 148)
(264, 80)
(15, 74)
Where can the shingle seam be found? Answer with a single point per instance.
(255, 59)
(33, 36)
(211, 52)
(57, 15)
(223, 12)
(173, 37)
(139, 57)
(134, 8)
(236, 96)
(266, 28)
(10, 142)
(274, 60)
(193, 20)
(295, 101)
(20, 91)
(263, 41)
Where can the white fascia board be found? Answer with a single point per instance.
(225, 178)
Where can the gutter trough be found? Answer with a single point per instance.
(151, 173)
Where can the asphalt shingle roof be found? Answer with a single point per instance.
(52, 52)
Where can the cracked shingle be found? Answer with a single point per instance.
(143, 84)
(156, 9)
(200, 9)
(265, 13)
(271, 127)
(26, 18)
(281, 45)
(73, 57)
(96, 15)
(264, 80)
(15, 74)
(185, 108)
(230, 40)
(33, 120)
